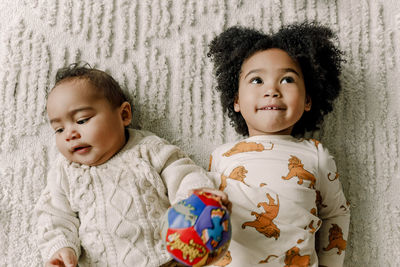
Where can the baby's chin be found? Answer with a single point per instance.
(91, 162)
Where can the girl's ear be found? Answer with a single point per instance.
(308, 103)
(126, 113)
(236, 105)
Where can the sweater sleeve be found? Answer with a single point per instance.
(179, 173)
(334, 211)
(57, 223)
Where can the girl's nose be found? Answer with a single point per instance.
(272, 91)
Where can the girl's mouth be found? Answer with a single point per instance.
(271, 108)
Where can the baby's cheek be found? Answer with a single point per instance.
(63, 149)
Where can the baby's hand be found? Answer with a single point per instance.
(64, 257)
(224, 197)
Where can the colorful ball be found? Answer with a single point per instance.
(196, 231)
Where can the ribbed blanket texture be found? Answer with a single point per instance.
(156, 49)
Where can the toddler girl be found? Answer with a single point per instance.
(284, 190)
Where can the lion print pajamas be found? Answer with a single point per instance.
(285, 193)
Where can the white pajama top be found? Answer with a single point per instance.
(284, 192)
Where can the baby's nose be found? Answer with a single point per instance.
(72, 135)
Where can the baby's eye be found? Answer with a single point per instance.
(287, 80)
(82, 121)
(59, 130)
(256, 80)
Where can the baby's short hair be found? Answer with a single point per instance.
(309, 44)
(104, 82)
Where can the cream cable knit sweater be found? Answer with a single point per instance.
(109, 214)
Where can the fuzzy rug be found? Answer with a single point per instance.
(157, 50)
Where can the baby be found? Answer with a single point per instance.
(284, 190)
(104, 198)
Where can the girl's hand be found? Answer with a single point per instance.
(64, 257)
(224, 197)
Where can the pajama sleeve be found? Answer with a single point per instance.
(333, 209)
(57, 223)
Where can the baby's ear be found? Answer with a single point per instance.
(126, 113)
(307, 106)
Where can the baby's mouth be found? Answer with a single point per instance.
(80, 149)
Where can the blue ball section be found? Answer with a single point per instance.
(185, 213)
(214, 225)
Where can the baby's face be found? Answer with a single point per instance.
(272, 95)
(87, 129)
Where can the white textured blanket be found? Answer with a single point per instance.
(157, 50)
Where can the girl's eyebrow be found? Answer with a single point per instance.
(286, 70)
(283, 70)
(252, 71)
(71, 113)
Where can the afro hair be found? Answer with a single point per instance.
(310, 44)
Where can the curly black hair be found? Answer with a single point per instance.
(308, 43)
(102, 81)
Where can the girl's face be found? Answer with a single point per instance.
(88, 129)
(272, 96)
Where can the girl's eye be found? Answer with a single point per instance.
(256, 80)
(82, 121)
(59, 130)
(287, 80)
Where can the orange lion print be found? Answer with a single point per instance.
(336, 239)
(296, 169)
(316, 142)
(311, 226)
(238, 173)
(225, 260)
(263, 222)
(334, 178)
(345, 207)
(293, 258)
(243, 146)
(268, 258)
(209, 163)
(313, 211)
